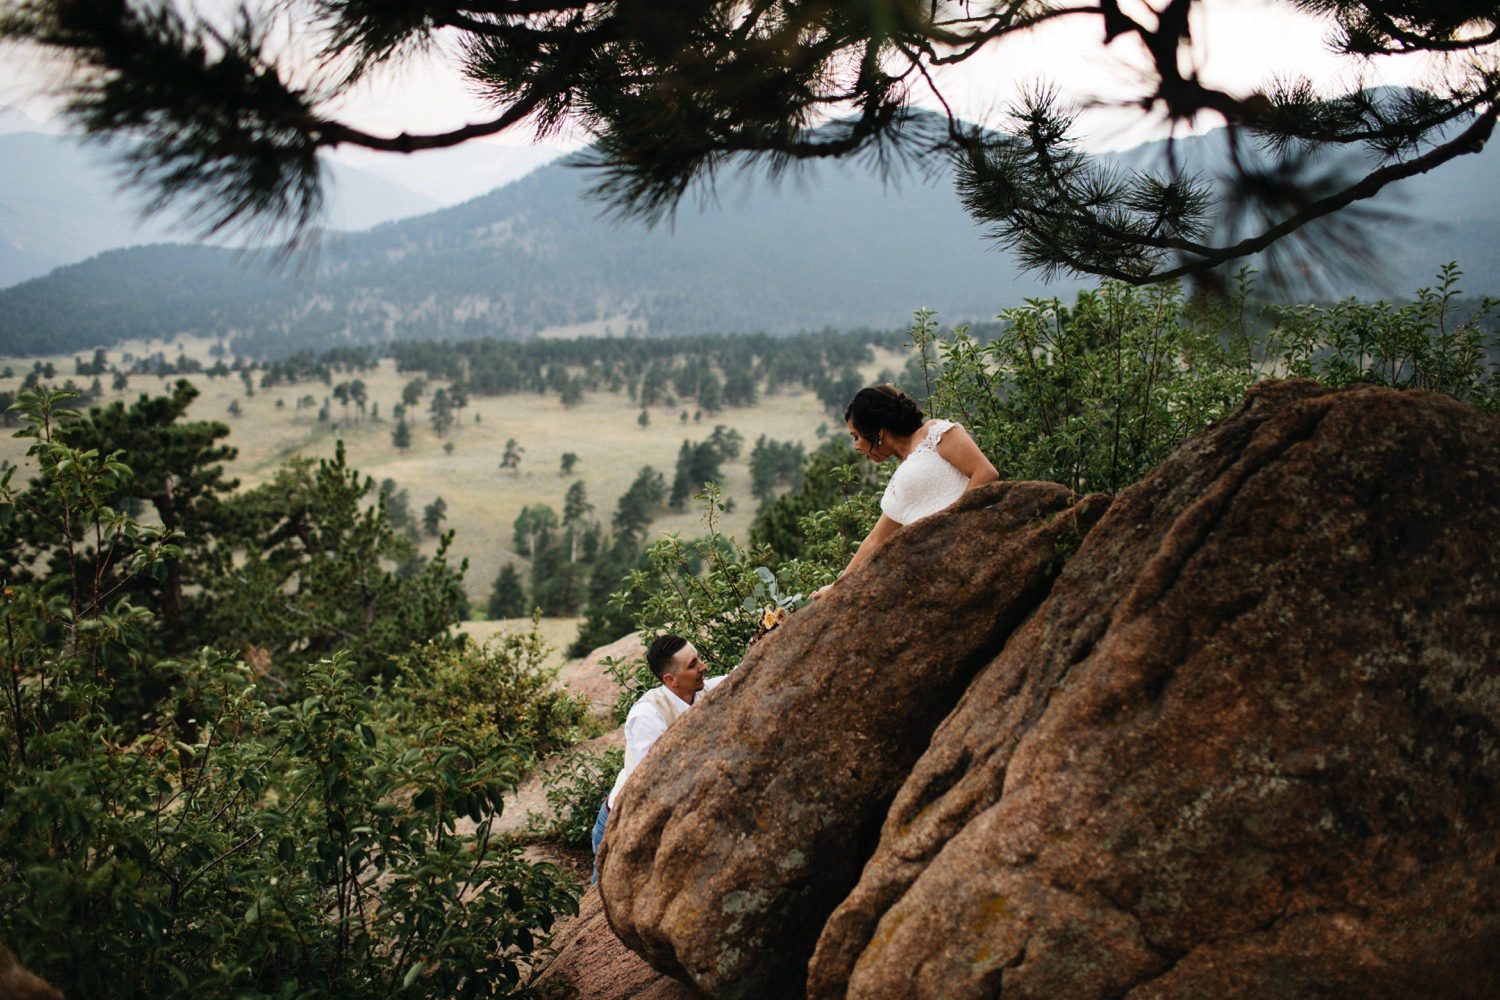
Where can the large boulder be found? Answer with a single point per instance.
(751, 818)
(1249, 746)
(589, 678)
(590, 963)
(19, 983)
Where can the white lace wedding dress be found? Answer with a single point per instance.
(924, 483)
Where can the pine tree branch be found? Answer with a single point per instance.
(1472, 140)
(1413, 42)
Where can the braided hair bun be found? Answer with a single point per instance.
(883, 408)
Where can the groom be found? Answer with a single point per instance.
(675, 663)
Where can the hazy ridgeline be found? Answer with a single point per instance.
(835, 245)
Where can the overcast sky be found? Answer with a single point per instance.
(1238, 44)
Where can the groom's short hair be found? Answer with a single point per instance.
(659, 654)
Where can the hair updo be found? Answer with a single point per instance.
(883, 408)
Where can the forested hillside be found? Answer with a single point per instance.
(834, 246)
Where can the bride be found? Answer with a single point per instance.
(938, 461)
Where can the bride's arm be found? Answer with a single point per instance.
(873, 541)
(960, 451)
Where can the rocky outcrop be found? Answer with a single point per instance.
(749, 821)
(1247, 744)
(592, 964)
(19, 983)
(589, 678)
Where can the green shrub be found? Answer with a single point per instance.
(218, 845)
(1423, 344)
(1095, 394)
(576, 786)
(294, 850)
(710, 591)
(501, 690)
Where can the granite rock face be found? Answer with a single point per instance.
(1249, 746)
(750, 819)
(592, 964)
(1246, 744)
(589, 678)
(18, 983)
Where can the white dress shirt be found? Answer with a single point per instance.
(644, 726)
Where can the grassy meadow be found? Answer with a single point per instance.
(482, 499)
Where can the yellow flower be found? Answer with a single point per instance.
(771, 617)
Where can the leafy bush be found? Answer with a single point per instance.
(295, 850)
(219, 845)
(576, 786)
(717, 608)
(1422, 344)
(500, 691)
(1095, 394)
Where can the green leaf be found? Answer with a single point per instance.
(411, 976)
(367, 734)
(286, 850)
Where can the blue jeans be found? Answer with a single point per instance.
(598, 836)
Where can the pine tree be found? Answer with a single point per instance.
(511, 459)
(398, 508)
(533, 528)
(576, 510)
(556, 582)
(639, 504)
(411, 392)
(433, 516)
(671, 100)
(507, 595)
(440, 410)
(401, 436)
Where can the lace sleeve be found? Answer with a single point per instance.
(925, 482)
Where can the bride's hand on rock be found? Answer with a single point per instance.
(821, 591)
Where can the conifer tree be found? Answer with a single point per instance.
(576, 510)
(639, 504)
(507, 595)
(228, 125)
(533, 528)
(433, 516)
(511, 458)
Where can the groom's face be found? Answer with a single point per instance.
(684, 675)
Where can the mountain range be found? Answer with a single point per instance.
(61, 201)
(834, 245)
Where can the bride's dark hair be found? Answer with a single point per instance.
(883, 408)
